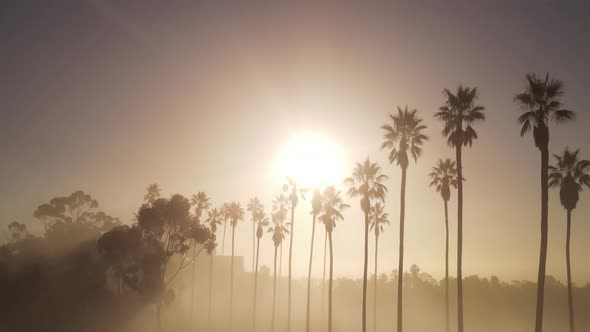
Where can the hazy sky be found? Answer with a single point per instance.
(109, 96)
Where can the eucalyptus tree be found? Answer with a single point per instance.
(316, 208)
(278, 231)
(236, 214)
(459, 113)
(214, 217)
(444, 176)
(261, 221)
(541, 104)
(294, 192)
(367, 183)
(332, 207)
(153, 193)
(570, 174)
(200, 202)
(377, 219)
(403, 138)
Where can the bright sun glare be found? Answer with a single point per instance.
(312, 160)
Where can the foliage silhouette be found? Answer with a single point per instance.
(458, 114)
(540, 104)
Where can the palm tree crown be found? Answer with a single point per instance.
(404, 136)
(444, 176)
(570, 174)
(540, 103)
(367, 181)
(256, 209)
(235, 213)
(378, 218)
(201, 203)
(214, 217)
(332, 207)
(458, 114)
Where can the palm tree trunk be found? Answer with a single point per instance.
(366, 263)
(223, 240)
(375, 286)
(309, 274)
(253, 243)
(255, 285)
(290, 258)
(210, 290)
(274, 291)
(324, 274)
(330, 283)
(570, 297)
(231, 287)
(158, 318)
(544, 236)
(193, 286)
(447, 267)
(400, 268)
(459, 238)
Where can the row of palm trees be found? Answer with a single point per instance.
(403, 139)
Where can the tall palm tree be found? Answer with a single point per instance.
(214, 219)
(540, 104)
(444, 176)
(201, 203)
(225, 212)
(316, 208)
(377, 218)
(294, 191)
(254, 207)
(278, 231)
(458, 114)
(332, 207)
(236, 213)
(260, 220)
(402, 138)
(569, 174)
(367, 182)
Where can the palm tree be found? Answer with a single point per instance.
(403, 136)
(236, 213)
(332, 207)
(541, 103)
(201, 203)
(458, 114)
(254, 207)
(444, 175)
(316, 208)
(214, 220)
(367, 182)
(225, 212)
(153, 193)
(258, 219)
(294, 191)
(279, 231)
(569, 174)
(377, 218)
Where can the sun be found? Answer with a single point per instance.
(313, 160)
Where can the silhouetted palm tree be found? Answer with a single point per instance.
(254, 207)
(316, 208)
(236, 213)
(279, 231)
(201, 203)
(541, 103)
(225, 212)
(569, 174)
(367, 182)
(332, 207)
(153, 193)
(260, 220)
(458, 114)
(214, 217)
(377, 218)
(294, 192)
(404, 136)
(280, 204)
(444, 176)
